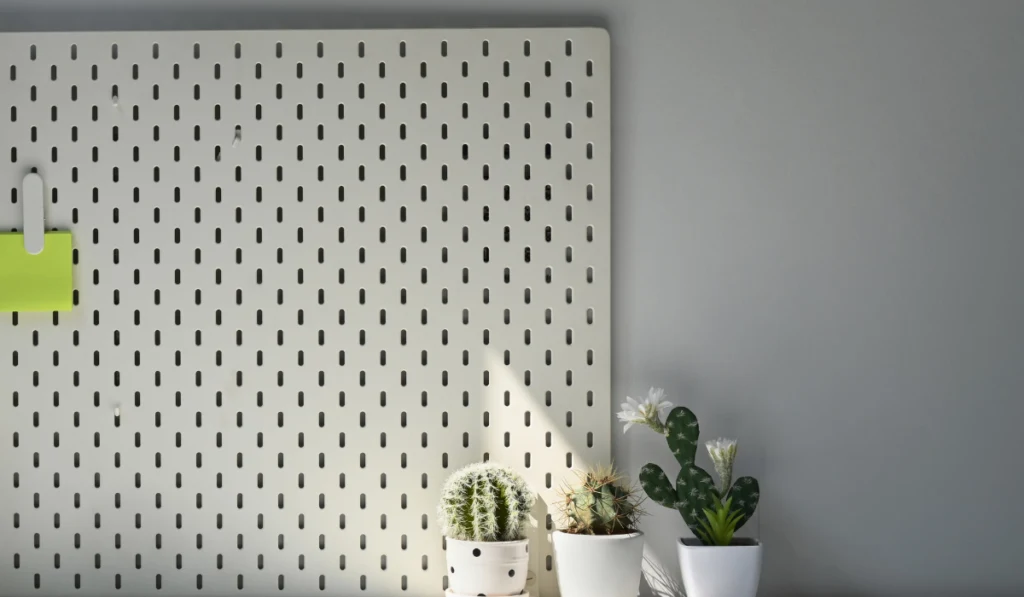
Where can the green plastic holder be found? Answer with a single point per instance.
(35, 267)
(40, 282)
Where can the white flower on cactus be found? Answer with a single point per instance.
(723, 455)
(722, 449)
(647, 411)
(630, 413)
(656, 400)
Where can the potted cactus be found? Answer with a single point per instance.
(713, 563)
(600, 551)
(483, 515)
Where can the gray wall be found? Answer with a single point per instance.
(816, 249)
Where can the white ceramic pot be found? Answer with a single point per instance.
(487, 568)
(728, 571)
(598, 565)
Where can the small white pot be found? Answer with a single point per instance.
(727, 571)
(487, 568)
(598, 565)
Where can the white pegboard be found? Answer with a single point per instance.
(316, 271)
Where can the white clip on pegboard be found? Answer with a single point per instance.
(34, 226)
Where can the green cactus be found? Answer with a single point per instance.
(745, 493)
(694, 490)
(485, 502)
(682, 432)
(600, 504)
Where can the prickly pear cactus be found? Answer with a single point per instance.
(657, 486)
(682, 432)
(745, 493)
(694, 488)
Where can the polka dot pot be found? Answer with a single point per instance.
(490, 569)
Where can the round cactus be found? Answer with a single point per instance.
(600, 504)
(485, 502)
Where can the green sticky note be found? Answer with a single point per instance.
(40, 282)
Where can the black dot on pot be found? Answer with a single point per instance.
(481, 595)
(453, 569)
(476, 552)
(511, 572)
(527, 548)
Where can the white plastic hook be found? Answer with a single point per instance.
(32, 193)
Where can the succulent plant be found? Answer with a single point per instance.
(485, 502)
(600, 504)
(719, 523)
(694, 491)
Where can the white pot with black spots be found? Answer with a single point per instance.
(492, 569)
(598, 565)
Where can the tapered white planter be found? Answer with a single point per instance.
(727, 571)
(598, 565)
(487, 568)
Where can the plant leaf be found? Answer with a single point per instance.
(657, 486)
(745, 492)
(695, 490)
(682, 432)
(704, 538)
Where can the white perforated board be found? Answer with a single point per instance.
(400, 266)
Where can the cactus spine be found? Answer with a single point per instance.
(600, 504)
(485, 502)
